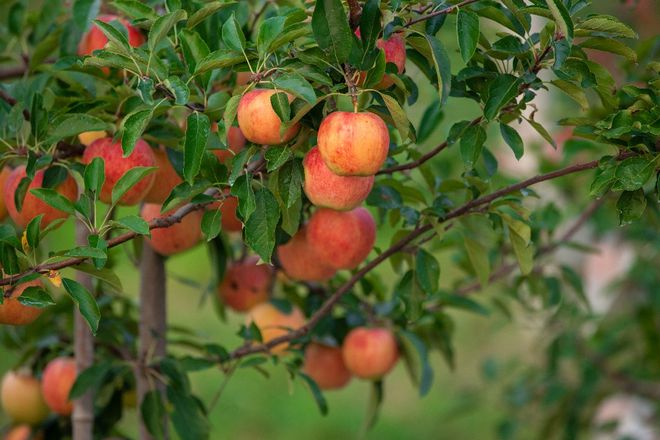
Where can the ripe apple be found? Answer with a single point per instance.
(32, 205)
(259, 122)
(329, 190)
(88, 137)
(95, 39)
(235, 142)
(246, 284)
(176, 238)
(58, 378)
(353, 143)
(20, 395)
(116, 165)
(326, 366)
(4, 175)
(370, 353)
(342, 239)
(300, 260)
(230, 221)
(165, 178)
(272, 323)
(12, 312)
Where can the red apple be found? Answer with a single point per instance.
(165, 178)
(57, 381)
(12, 312)
(95, 39)
(259, 122)
(273, 323)
(326, 366)
(301, 262)
(370, 353)
(176, 238)
(246, 284)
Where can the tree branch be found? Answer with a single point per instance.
(157, 223)
(328, 305)
(447, 10)
(12, 72)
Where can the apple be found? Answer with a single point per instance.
(326, 366)
(176, 238)
(56, 383)
(116, 165)
(88, 137)
(4, 175)
(273, 323)
(165, 178)
(353, 143)
(300, 261)
(235, 142)
(259, 122)
(329, 190)
(341, 239)
(95, 39)
(22, 432)
(12, 312)
(395, 53)
(370, 353)
(20, 395)
(32, 205)
(246, 284)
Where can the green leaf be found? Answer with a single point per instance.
(54, 199)
(134, 9)
(75, 123)
(416, 357)
(513, 140)
(85, 252)
(478, 256)
(370, 25)
(276, 157)
(331, 30)
(163, 25)
(607, 24)
(631, 205)
(398, 115)
(108, 276)
(218, 60)
(153, 413)
(463, 303)
(260, 227)
(206, 11)
(472, 143)
(633, 173)
(562, 18)
(524, 252)
(610, 45)
(543, 132)
(85, 301)
(280, 103)
(232, 34)
(427, 271)
(178, 89)
(230, 111)
(269, 30)
(467, 28)
(84, 11)
(436, 51)
(316, 392)
(134, 223)
(502, 90)
(32, 231)
(197, 135)
(90, 379)
(430, 121)
(575, 92)
(212, 223)
(95, 176)
(34, 296)
(114, 35)
(134, 125)
(297, 85)
(128, 180)
(242, 189)
(290, 180)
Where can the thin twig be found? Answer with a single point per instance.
(445, 11)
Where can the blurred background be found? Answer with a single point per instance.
(475, 400)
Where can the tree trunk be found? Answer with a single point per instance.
(82, 418)
(153, 324)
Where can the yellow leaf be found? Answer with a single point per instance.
(55, 278)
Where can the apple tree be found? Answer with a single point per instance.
(297, 141)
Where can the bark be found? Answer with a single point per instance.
(82, 418)
(153, 324)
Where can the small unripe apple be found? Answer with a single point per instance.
(259, 122)
(165, 178)
(4, 175)
(353, 143)
(301, 262)
(116, 165)
(176, 238)
(342, 239)
(235, 143)
(246, 284)
(56, 383)
(12, 312)
(326, 366)
(32, 205)
(88, 137)
(20, 395)
(370, 353)
(273, 323)
(95, 39)
(326, 189)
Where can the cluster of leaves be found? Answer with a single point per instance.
(185, 72)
